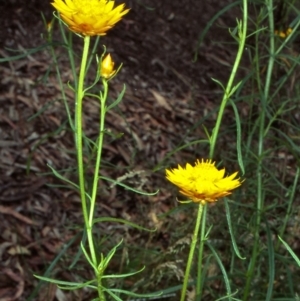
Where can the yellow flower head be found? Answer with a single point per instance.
(203, 182)
(90, 17)
(283, 34)
(107, 67)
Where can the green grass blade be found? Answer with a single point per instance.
(234, 244)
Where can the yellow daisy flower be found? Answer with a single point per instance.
(203, 182)
(90, 17)
(107, 67)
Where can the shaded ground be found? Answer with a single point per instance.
(167, 96)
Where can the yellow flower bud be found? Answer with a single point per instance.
(107, 67)
(283, 34)
(289, 31)
(49, 26)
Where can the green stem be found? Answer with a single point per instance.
(78, 141)
(191, 254)
(242, 32)
(200, 255)
(260, 190)
(99, 153)
(101, 294)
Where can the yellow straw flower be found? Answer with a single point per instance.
(203, 182)
(107, 67)
(90, 17)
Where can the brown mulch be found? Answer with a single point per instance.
(167, 94)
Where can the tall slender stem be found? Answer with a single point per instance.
(99, 153)
(260, 190)
(192, 250)
(200, 255)
(78, 141)
(242, 34)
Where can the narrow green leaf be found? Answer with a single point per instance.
(134, 294)
(223, 270)
(118, 100)
(124, 275)
(87, 256)
(238, 137)
(219, 83)
(128, 187)
(67, 285)
(59, 176)
(123, 221)
(104, 263)
(290, 251)
(26, 52)
(235, 247)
